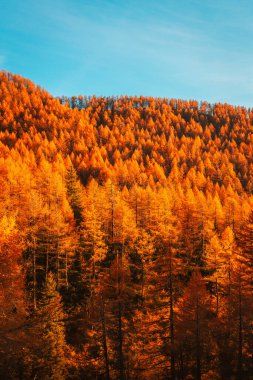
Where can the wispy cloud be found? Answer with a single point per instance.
(185, 49)
(182, 47)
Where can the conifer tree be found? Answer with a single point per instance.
(192, 325)
(74, 194)
(51, 361)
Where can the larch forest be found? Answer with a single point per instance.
(126, 237)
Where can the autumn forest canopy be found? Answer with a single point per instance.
(126, 237)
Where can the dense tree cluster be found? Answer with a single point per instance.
(126, 237)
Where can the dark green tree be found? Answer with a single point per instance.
(74, 194)
(51, 358)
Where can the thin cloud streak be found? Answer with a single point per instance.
(107, 47)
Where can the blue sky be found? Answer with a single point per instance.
(189, 49)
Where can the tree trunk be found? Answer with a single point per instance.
(66, 269)
(47, 263)
(217, 296)
(34, 277)
(120, 340)
(172, 338)
(107, 370)
(239, 369)
(198, 360)
(120, 332)
(112, 214)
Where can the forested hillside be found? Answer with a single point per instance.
(126, 237)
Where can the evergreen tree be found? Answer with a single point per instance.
(74, 194)
(51, 359)
(193, 331)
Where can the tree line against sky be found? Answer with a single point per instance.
(126, 237)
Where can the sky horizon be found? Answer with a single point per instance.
(187, 49)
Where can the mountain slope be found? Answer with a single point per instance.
(125, 237)
(142, 140)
